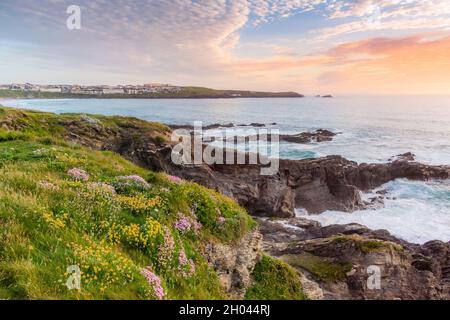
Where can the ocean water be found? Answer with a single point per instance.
(372, 130)
(419, 213)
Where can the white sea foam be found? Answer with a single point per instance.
(418, 212)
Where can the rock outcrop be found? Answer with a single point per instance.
(344, 261)
(337, 261)
(320, 135)
(235, 263)
(317, 185)
(218, 126)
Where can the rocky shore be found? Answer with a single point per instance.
(333, 260)
(338, 258)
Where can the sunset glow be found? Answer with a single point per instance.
(307, 46)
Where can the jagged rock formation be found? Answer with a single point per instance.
(339, 259)
(320, 135)
(218, 126)
(335, 258)
(317, 185)
(235, 263)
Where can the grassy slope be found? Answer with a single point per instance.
(186, 92)
(50, 221)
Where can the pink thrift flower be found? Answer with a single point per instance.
(78, 174)
(187, 266)
(175, 179)
(183, 224)
(155, 283)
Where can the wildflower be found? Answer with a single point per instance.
(78, 174)
(48, 186)
(152, 228)
(221, 220)
(175, 179)
(166, 248)
(155, 283)
(186, 266)
(139, 203)
(197, 226)
(55, 222)
(101, 188)
(134, 182)
(100, 264)
(142, 236)
(183, 224)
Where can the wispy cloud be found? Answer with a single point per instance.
(209, 42)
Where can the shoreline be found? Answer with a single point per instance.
(317, 185)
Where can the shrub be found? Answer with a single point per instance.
(275, 280)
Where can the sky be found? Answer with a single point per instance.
(359, 47)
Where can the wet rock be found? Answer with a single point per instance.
(404, 157)
(219, 126)
(309, 137)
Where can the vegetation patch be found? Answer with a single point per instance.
(275, 280)
(133, 233)
(322, 269)
(368, 245)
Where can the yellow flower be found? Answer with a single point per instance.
(55, 222)
(139, 202)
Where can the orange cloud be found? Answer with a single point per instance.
(418, 64)
(407, 65)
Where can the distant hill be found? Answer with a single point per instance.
(184, 93)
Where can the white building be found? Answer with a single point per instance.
(113, 91)
(50, 89)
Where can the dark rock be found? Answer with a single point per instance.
(218, 126)
(338, 258)
(332, 183)
(317, 185)
(404, 157)
(308, 137)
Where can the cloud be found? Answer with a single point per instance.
(203, 42)
(369, 15)
(414, 64)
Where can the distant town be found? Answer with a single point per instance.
(151, 88)
(144, 91)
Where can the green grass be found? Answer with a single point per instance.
(368, 245)
(109, 228)
(322, 269)
(275, 280)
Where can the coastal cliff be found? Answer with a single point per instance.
(331, 261)
(317, 185)
(131, 233)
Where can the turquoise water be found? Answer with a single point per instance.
(373, 128)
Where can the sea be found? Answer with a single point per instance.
(371, 130)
